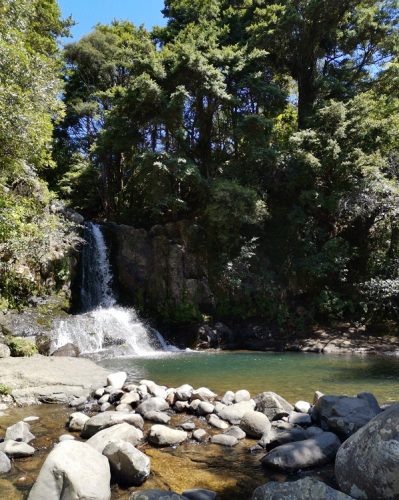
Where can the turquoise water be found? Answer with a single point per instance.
(292, 375)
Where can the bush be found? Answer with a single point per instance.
(21, 347)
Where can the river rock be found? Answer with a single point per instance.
(272, 405)
(5, 464)
(345, 415)
(303, 489)
(129, 466)
(155, 495)
(278, 437)
(16, 449)
(115, 396)
(312, 452)
(123, 408)
(242, 395)
(201, 435)
(300, 419)
(104, 399)
(224, 440)
(124, 432)
(235, 412)
(19, 432)
(106, 407)
(152, 404)
(199, 494)
(4, 351)
(73, 470)
(66, 437)
(77, 421)
(78, 402)
(217, 422)
(367, 464)
(255, 424)
(157, 416)
(193, 406)
(98, 393)
(130, 398)
(302, 406)
(188, 426)
(228, 398)
(108, 419)
(161, 435)
(236, 432)
(117, 379)
(204, 394)
(30, 419)
(69, 349)
(184, 392)
(181, 406)
(205, 408)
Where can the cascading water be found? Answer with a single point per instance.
(103, 327)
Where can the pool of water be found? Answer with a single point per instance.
(292, 375)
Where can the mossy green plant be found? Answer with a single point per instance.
(21, 347)
(4, 390)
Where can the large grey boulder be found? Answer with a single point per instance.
(16, 449)
(272, 405)
(77, 421)
(129, 466)
(303, 489)
(152, 404)
(124, 432)
(278, 437)
(19, 432)
(313, 452)
(345, 415)
(155, 495)
(161, 435)
(183, 393)
(73, 470)
(108, 419)
(235, 412)
(255, 424)
(367, 464)
(117, 379)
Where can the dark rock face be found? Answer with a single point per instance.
(164, 266)
(367, 464)
(345, 415)
(303, 489)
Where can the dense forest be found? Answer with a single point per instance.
(271, 125)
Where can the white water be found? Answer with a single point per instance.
(103, 327)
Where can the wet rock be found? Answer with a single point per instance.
(16, 449)
(77, 421)
(367, 464)
(301, 419)
(188, 426)
(302, 406)
(115, 396)
(184, 392)
(201, 435)
(235, 412)
(99, 392)
(303, 489)
(203, 394)
(106, 407)
(242, 395)
(73, 470)
(5, 464)
(78, 402)
(199, 494)
(255, 424)
(345, 415)
(124, 432)
(272, 405)
(108, 419)
(155, 495)
(157, 416)
(312, 452)
(228, 398)
(129, 466)
(235, 432)
(217, 422)
(224, 440)
(162, 435)
(152, 404)
(19, 432)
(68, 350)
(204, 408)
(278, 437)
(117, 379)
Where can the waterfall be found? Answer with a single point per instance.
(103, 327)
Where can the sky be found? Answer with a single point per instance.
(87, 13)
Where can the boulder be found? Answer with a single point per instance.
(161, 435)
(157, 416)
(235, 412)
(235, 432)
(367, 464)
(312, 452)
(201, 435)
(16, 449)
(205, 408)
(152, 404)
(183, 393)
(19, 432)
(302, 406)
(77, 421)
(255, 424)
(301, 419)
(228, 398)
(345, 415)
(155, 495)
(73, 470)
(4, 351)
(117, 379)
(224, 440)
(124, 432)
(108, 419)
(129, 466)
(5, 464)
(199, 494)
(188, 426)
(130, 398)
(278, 437)
(69, 350)
(204, 394)
(272, 405)
(303, 489)
(217, 422)
(242, 395)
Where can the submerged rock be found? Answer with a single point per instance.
(19, 432)
(129, 466)
(224, 440)
(73, 470)
(367, 464)
(16, 449)
(303, 489)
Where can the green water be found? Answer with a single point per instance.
(292, 375)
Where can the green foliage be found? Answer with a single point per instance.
(21, 347)
(4, 390)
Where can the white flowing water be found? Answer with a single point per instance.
(104, 327)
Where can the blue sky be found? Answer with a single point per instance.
(87, 13)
